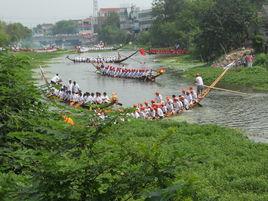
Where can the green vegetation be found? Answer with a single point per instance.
(65, 27)
(42, 158)
(14, 32)
(180, 62)
(209, 27)
(247, 79)
(261, 60)
(110, 31)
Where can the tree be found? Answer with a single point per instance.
(225, 26)
(4, 38)
(209, 27)
(110, 31)
(17, 32)
(65, 27)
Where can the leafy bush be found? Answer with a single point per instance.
(261, 60)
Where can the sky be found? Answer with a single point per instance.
(33, 12)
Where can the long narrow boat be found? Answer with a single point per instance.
(49, 89)
(99, 59)
(97, 49)
(204, 94)
(148, 75)
(167, 51)
(42, 50)
(46, 50)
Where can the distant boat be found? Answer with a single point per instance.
(146, 74)
(99, 59)
(97, 49)
(41, 50)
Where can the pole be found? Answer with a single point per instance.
(227, 90)
(43, 75)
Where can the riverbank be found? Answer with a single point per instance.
(182, 63)
(37, 59)
(244, 79)
(118, 158)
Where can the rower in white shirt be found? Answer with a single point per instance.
(70, 85)
(105, 98)
(193, 93)
(160, 113)
(158, 98)
(56, 79)
(98, 99)
(189, 97)
(75, 87)
(152, 113)
(186, 104)
(177, 105)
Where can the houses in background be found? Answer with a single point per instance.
(132, 19)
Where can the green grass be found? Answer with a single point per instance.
(247, 79)
(213, 163)
(183, 62)
(40, 58)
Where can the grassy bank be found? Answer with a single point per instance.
(44, 159)
(37, 59)
(246, 79)
(183, 62)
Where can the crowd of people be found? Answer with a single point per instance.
(238, 58)
(99, 59)
(159, 108)
(124, 73)
(72, 94)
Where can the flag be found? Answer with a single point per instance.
(142, 52)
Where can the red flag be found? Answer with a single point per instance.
(142, 52)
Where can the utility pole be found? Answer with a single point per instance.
(95, 14)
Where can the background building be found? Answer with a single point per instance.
(145, 19)
(132, 19)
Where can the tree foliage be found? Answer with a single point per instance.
(65, 27)
(17, 32)
(209, 27)
(225, 26)
(13, 32)
(110, 31)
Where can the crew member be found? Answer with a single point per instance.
(199, 83)
(56, 79)
(75, 88)
(158, 97)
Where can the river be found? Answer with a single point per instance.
(247, 113)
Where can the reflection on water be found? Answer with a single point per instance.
(249, 113)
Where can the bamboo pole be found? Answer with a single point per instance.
(227, 90)
(206, 92)
(43, 75)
